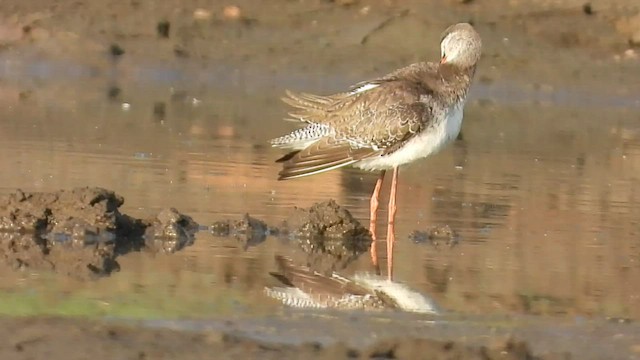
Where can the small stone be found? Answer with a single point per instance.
(631, 54)
(232, 12)
(116, 51)
(159, 111)
(202, 14)
(114, 92)
(163, 29)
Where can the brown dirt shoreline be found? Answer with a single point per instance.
(77, 339)
(544, 43)
(319, 336)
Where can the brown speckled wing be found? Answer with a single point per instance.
(323, 155)
(377, 118)
(374, 118)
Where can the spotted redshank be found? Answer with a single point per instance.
(383, 123)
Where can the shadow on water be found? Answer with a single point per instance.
(540, 190)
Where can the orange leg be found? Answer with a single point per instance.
(391, 236)
(375, 197)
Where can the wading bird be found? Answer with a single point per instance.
(383, 123)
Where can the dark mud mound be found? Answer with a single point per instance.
(326, 231)
(329, 234)
(170, 231)
(80, 232)
(249, 231)
(93, 209)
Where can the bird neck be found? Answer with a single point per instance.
(455, 80)
(451, 72)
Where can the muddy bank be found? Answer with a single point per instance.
(327, 232)
(25, 338)
(598, 39)
(81, 232)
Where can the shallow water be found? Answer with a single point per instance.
(541, 188)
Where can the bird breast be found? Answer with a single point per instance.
(434, 137)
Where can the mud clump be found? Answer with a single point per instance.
(59, 211)
(81, 260)
(326, 231)
(416, 348)
(248, 230)
(329, 234)
(61, 231)
(170, 231)
(80, 232)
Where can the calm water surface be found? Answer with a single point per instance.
(542, 188)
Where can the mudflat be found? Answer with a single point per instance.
(170, 105)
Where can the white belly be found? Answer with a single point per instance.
(430, 141)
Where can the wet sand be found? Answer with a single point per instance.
(541, 43)
(293, 337)
(171, 106)
(54, 338)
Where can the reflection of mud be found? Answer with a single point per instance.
(170, 231)
(329, 234)
(248, 230)
(81, 232)
(435, 236)
(30, 251)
